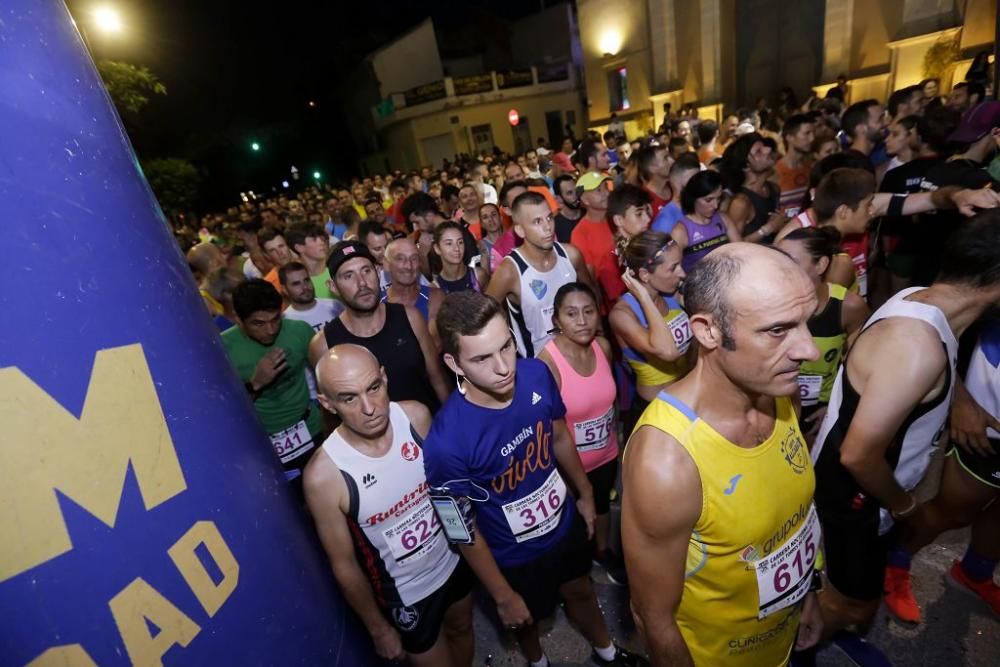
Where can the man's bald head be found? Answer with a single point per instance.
(343, 364)
(204, 258)
(399, 246)
(730, 278)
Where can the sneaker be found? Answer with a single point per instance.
(899, 595)
(987, 590)
(622, 658)
(614, 568)
(859, 651)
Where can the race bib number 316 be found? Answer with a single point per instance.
(783, 578)
(537, 513)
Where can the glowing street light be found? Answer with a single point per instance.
(316, 175)
(108, 19)
(255, 146)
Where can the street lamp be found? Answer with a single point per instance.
(108, 19)
(255, 146)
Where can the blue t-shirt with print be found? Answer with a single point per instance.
(506, 459)
(667, 218)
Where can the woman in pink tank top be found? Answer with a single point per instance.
(579, 360)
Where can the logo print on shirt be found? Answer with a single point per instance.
(539, 288)
(410, 451)
(732, 485)
(535, 398)
(368, 480)
(794, 451)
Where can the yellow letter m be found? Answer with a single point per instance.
(44, 448)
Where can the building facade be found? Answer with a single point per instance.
(724, 54)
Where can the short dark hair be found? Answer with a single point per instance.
(445, 226)
(255, 295)
(268, 234)
(819, 242)
(624, 197)
(842, 187)
(901, 96)
(566, 290)
(419, 203)
(643, 251)
(701, 184)
(288, 268)
(398, 184)
(855, 115)
(448, 191)
(972, 252)
(507, 187)
(684, 163)
(935, 126)
(557, 185)
(646, 156)
(298, 233)
(370, 227)
(707, 130)
(706, 290)
(465, 313)
(526, 198)
(677, 142)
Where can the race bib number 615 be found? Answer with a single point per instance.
(783, 578)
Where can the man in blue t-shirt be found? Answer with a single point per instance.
(501, 442)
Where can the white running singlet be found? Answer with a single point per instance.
(400, 545)
(532, 319)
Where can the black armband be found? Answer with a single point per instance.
(895, 208)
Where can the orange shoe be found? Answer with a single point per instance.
(987, 590)
(899, 595)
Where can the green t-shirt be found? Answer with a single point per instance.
(284, 402)
(322, 286)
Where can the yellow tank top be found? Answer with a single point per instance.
(751, 555)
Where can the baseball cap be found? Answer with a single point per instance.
(591, 181)
(344, 251)
(977, 123)
(562, 161)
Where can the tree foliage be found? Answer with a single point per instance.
(174, 181)
(940, 59)
(130, 86)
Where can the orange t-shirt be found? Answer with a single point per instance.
(793, 184)
(596, 243)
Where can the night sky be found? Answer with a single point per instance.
(242, 71)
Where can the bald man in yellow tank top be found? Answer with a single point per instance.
(725, 576)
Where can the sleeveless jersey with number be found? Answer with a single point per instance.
(910, 451)
(751, 555)
(654, 372)
(827, 329)
(399, 543)
(590, 407)
(982, 380)
(532, 318)
(702, 239)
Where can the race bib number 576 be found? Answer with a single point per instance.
(783, 578)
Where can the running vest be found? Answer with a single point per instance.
(910, 451)
(590, 407)
(751, 555)
(467, 282)
(763, 207)
(982, 380)
(654, 372)
(399, 543)
(532, 318)
(702, 239)
(827, 329)
(422, 303)
(396, 347)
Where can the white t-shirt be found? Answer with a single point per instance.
(250, 269)
(490, 195)
(323, 311)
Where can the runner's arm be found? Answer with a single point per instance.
(740, 210)
(571, 468)
(731, 231)
(659, 475)
(583, 274)
(841, 271)
(654, 340)
(502, 284)
(510, 604)
(419, 416)
(434, 371)
(853, 316)
(910, 363)
(680, 234)
(324, 491)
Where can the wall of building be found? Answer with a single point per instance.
(980, 23)
(410, 61)
(875, 25)
(542, 38)
(618, 29)
(688, 20)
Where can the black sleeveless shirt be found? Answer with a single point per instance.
(763, 207)
(396, 347)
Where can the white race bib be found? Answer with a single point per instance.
(292, 442)
(809, 387)
(784, 577)
(538, 513)
(680, 328)
(413, 536)
(594, 433)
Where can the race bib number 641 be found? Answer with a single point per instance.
(783, 578)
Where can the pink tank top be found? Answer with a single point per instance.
(590, 407)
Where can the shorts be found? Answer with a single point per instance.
(854, 551)
(420, 623)
(602, 480)
(985, 469)
(538, 581)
